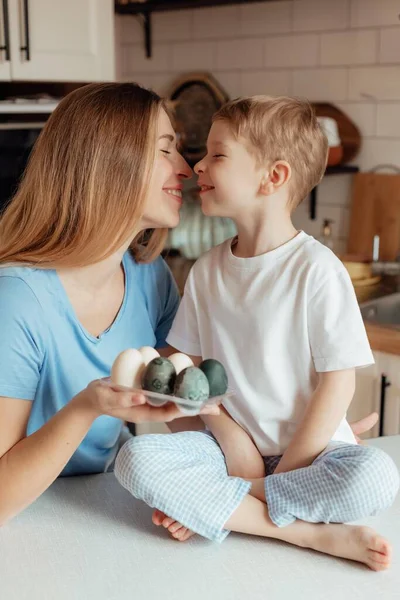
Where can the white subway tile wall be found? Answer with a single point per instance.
(389, 51)
(345, 52)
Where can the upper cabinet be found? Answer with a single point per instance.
(57, 40)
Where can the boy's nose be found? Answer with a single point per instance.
(199, 167)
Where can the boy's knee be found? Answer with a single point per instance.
(153, 467)
(138, 462)
(370, 473)
(386, 475)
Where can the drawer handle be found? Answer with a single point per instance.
(385, 383)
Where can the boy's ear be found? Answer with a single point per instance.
(278, 175)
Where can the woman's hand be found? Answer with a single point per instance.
(101, 397)
(363, 425)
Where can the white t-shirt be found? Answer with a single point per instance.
(273, 321)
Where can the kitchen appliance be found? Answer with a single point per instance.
(21, 121)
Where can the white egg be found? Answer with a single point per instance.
(148, 354)
(128, 368)
(180, 361)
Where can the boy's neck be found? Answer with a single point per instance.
(257, 235)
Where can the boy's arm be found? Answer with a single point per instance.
(323, 415)
(241, 454)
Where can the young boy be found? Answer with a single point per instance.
(278, 309)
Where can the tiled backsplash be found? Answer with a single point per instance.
(342, 51)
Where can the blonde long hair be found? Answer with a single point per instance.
(83, 193)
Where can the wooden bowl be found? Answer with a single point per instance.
(335, 156)
(349, 133)
(358, 270)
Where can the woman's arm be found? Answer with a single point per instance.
(28, 465)
(324, 412)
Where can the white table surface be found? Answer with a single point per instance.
(86, 538)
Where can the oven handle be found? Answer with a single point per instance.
(18, 126)
(6, 47)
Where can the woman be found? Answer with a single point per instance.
(78, 285)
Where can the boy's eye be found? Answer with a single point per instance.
(218, 155)
(166, 151)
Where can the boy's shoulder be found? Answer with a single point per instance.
(322, 266)
(212, 258)
(320, 258)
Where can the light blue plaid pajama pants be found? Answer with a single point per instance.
(184, 475)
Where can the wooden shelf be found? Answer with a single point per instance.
(143, 10)
(340, 169)
(336, 170)
(135, 8)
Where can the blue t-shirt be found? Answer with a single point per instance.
(48, 357)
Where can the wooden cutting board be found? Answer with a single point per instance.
(375, 210)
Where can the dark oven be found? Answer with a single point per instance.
(20, 126)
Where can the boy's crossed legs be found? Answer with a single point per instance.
(184, 475)
(182, 533)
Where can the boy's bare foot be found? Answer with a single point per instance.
(358, 543)
(353, 542)
(176, 530)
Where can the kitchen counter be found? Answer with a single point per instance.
(382, 338)
(87, 538)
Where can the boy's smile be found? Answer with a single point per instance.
(205, 188)
(229, 177)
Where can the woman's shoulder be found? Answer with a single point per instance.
(12, 278)
(21, 287)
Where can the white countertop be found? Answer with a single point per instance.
(86, 538)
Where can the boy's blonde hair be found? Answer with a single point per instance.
(281, 128)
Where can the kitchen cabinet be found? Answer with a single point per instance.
(374, 384)
(55, 40)
(389, 368)
(366, 397)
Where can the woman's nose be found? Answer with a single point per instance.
(185, 172)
